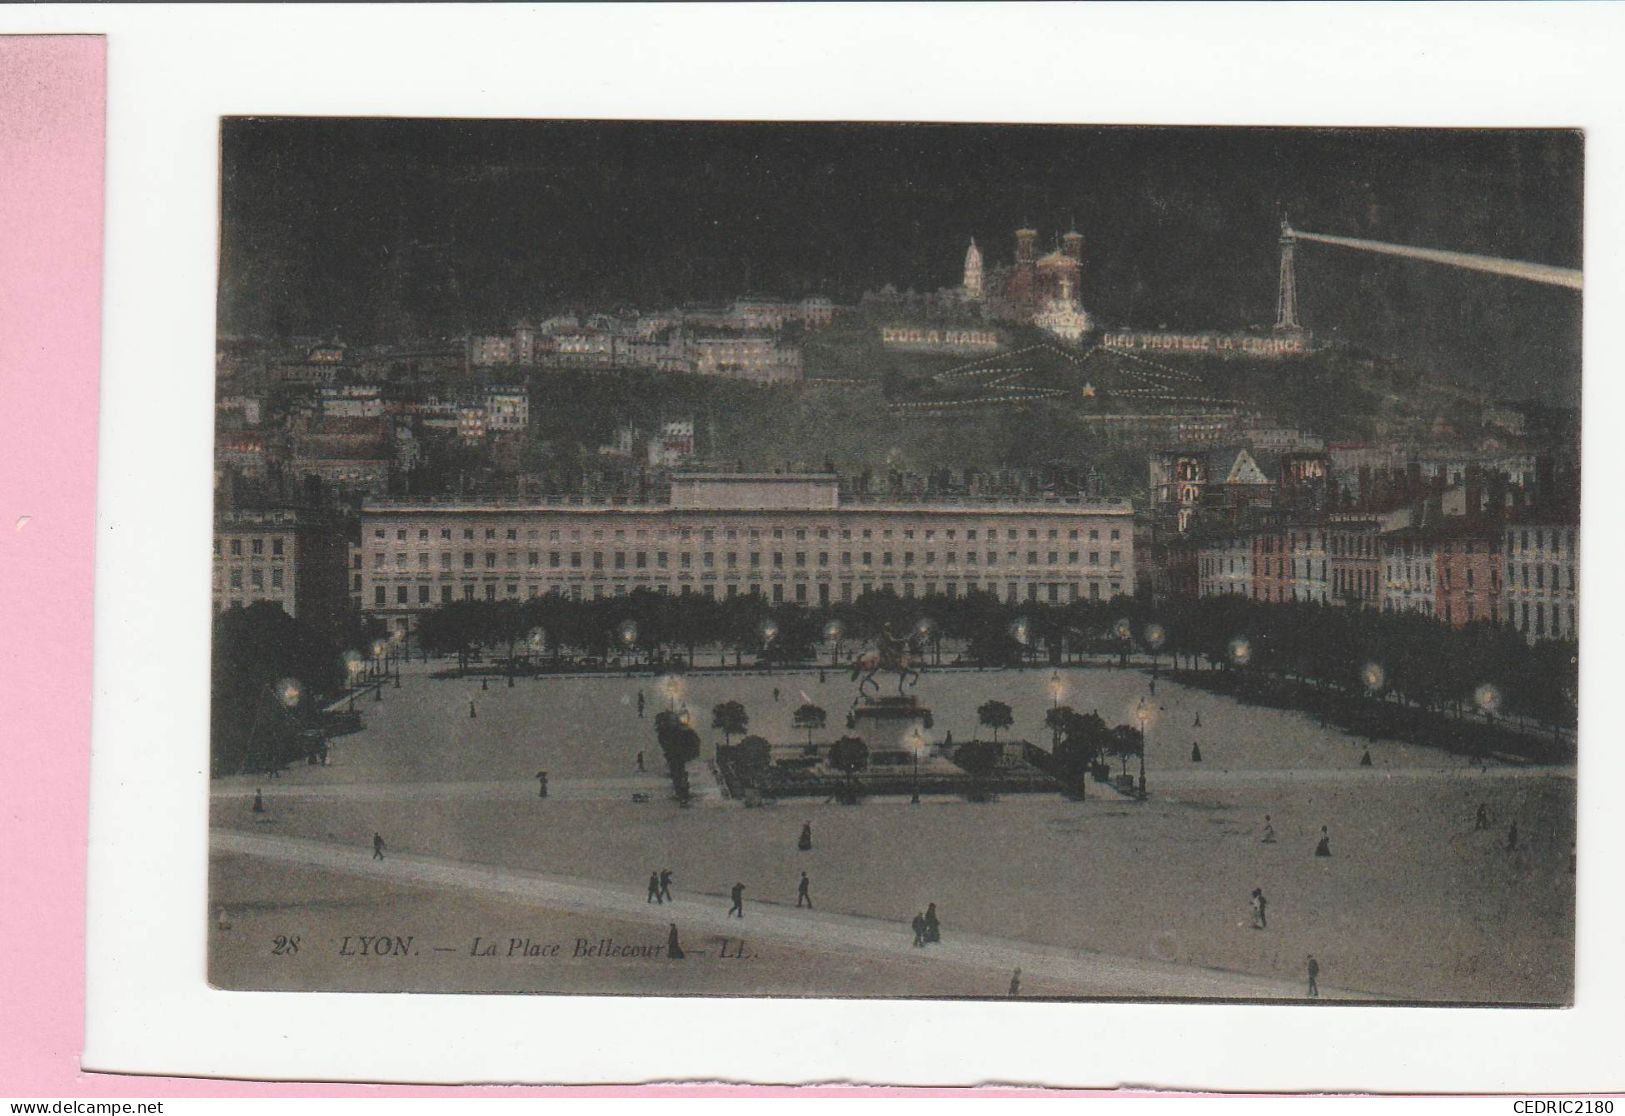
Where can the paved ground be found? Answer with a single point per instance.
(1415, 903)
(1063, 972)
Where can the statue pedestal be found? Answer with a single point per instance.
(889, 724)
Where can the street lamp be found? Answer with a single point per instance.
(671, 688)
(1374, 677)
(1155, 636)
(925, 629)
(353, 666)
(287, 692)
(1146, 716)
(1488, 699)
(1241, 651)
(916, 745)
(397, 639)
(1124, 631)
(1021, 632)
(629, 635)
(833, 633)
(378, 649)
(769, 630)
(1057, 690)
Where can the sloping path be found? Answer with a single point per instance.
(1090, 973)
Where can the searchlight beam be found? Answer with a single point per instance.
(1517, 269)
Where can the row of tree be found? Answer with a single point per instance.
(271, 674)
(1420, 660)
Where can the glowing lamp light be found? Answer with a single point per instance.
(770, 631)
(833, 631)
(1488, 698)
(1123, 629)
(924, 627)
(1241, 651)
(1057, 689)
(538, 639)
(287, 692)
(915, 741)
(629, 632)
(1374, 677)
(1155, 636)
(378, 648)
(353, 664)
(1020, 631)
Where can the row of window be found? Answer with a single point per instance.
(255, 546)
(709, 534)
(256, 577)
(1544, 539)
(801, 593)
(619, 559)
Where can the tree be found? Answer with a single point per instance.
(1083, 737)
(254, 648)
(1124, 742)
(850, 755)
(679, 744)
(730, 717)
(809, 717)
(451, 629)
(995, 715)
(978, 758)
(755, 754)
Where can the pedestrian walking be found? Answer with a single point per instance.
(1314, 978)
(640, 761)
(933, 928)
(1153, 685)
(665, 884)
(1365, 758)
(1269, 831)
(1512, 838)
(377, 847)
(775, 693)
(654, 889)
(640, 704)
(674, 948)
(1259, 903)
(1196, 752)
(820, 676)
(919, 929)
(1324, 848)
(259, 802)
(1481, 820)
(738, 894)
(802, 895)
(541, 784)
(804, 842)
(1198, 722)
(1015, 983)
(471, 707)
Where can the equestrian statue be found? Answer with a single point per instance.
(892, 655)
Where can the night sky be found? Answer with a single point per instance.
(393, 230)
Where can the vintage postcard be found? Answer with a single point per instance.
(896, 561)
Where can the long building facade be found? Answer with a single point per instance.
(787, 537)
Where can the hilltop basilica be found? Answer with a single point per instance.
(1041, 290)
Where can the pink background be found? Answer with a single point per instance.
(52, 117)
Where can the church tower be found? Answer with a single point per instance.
(1072, 245)
(973, 272)
(1026, 246)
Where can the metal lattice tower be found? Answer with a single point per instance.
(1286, 303)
